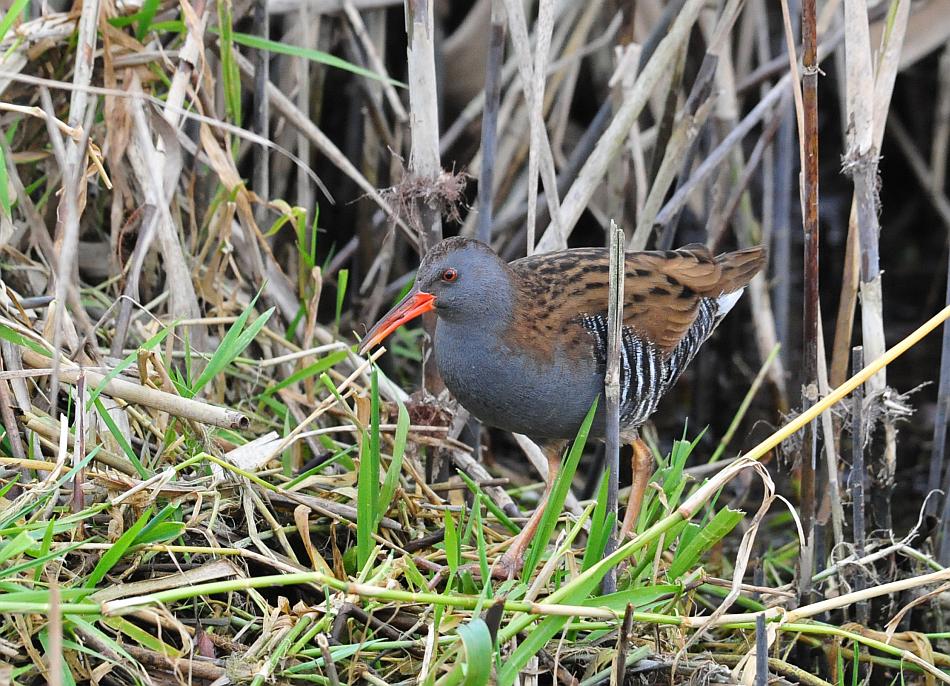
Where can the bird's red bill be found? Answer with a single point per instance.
(414, 304)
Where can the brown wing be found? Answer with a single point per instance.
(662, 289)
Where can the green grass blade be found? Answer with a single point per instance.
(500, 515)
(16, 9)
(13, 336)
(146, 14)
(6, 204)
(235, 341)
(366, 485)
(558, 494)
(120, 439)
(724, 522)
(341, 280)
(367, 488)
(395, 466)
(259, 43)
(453, 552)
(118, 549)
(59, 553)
(140, 637)
(16, 546)
(231, 76)
(600, 526)
(478, 652)
(321, 365)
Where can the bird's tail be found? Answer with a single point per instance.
(739, 267)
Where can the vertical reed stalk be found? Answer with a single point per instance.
(810, 324)
(612, 387)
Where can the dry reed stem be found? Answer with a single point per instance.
(610, 144)
(149, 397)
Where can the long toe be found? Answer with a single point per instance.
(507, 566)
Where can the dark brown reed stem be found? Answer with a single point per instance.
(810, 324)
(623, 642)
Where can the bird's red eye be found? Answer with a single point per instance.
(449, 275)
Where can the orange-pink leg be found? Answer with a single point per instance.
(642, 467)
(512, 561)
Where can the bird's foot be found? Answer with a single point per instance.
(507, 566)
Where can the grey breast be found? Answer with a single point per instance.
(512, 389)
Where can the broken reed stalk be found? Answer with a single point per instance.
(424, 158)
(489, 145)
(623, 642)
(174, 405)
(810, 324)
(861, 164)
(612, 380)
(857, 480)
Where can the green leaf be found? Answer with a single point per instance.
(478, 652)
(534, 640)
(12, 572)
(159, 529)
(724, 522)
(141, 637)
(17, 546)
(118, 549)
(367, 488)
(145, 16)
(233, 344)
(374, 441)
(45, 546)
(309, 54)
(341, 280)
(480, 541)
(559, 491)
(6, 205)
(16, 9)
(13, 336)
(120, 439)
(453, 552)
(600, 527)
(314, 369)
(67, 677)
(641, 597)
(231, 76)
(395, 466)
(504, 519)
(106, 640)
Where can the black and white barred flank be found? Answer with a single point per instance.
(646, 374)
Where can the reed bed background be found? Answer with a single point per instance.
(203, 205)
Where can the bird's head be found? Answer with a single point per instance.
(461, 279)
